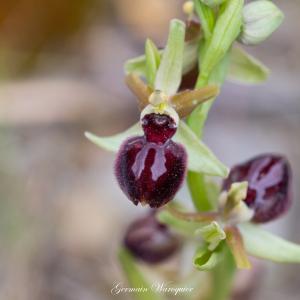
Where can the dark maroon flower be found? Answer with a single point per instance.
(158, 128)
(150, 241)
(269, 185)
(150, 173)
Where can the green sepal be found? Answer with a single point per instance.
(152, 62)
(263, 244)
(169, 73)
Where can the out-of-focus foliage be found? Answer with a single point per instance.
(29, 26)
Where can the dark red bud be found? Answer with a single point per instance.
(150, 241)
(269, 185)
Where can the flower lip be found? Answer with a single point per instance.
(150, 173)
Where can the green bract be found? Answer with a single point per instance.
(207, 17)
(263, 244)
(246, 69)
(152, 61)
(260, 19)
(200, 158)
(226, 30)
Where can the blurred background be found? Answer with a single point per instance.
(61, 73)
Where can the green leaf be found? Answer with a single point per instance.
(168, 76)
(181, 226)
(205, 260)
(152, 61)
(245, 68)
(113, 143)
(207, 17)
(263, 244)
(200, 158)
(135, 277)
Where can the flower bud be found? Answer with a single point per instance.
(269, 185)
(188, 7)
(260, 19)
(150, 241)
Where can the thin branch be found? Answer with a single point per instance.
(196, 217)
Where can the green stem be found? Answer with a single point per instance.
(199, 192)
(193, 217)
(196, 181)
(223, 275)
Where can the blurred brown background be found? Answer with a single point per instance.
(61, 212)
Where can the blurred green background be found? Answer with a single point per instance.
(61, 73)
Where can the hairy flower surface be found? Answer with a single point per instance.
(151, 168)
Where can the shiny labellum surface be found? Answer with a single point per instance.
(150, 241)
(269, 184)
(150, 173)
(158, 128)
